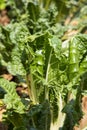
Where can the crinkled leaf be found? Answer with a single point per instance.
(15, 66)
(11, 99)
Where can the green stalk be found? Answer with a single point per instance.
(46, 93)
(48, 60)
(34, 17)
(29, 87)
(47, 4)
(33, 123)
(40, 2)
(32, 92)
(32, 89)
(47, 74)
(58, 17)
(61, 116)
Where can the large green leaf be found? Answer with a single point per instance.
(11, 99)
(15, 66)
(14, 106)
(78, 55)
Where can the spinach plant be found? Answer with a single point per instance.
(31, 48)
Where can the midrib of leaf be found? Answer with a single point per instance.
(33, 13)
(60, 13)
(61, 116)
(47, 4)
(46, 86)
(47, 76)
(32, 89)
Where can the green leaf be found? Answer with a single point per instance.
(78, 55)
(15, 66)
(11, 99)
(2, 4)
(33, 10)
(19, 33)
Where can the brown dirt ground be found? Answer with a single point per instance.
(4, 19)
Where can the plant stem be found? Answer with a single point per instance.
(61, 116)
(40, 2)
(31, 89)
(47, 4)
(58, 17)
(33, 123)
(47, 75)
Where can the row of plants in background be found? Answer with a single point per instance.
(35, 49)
